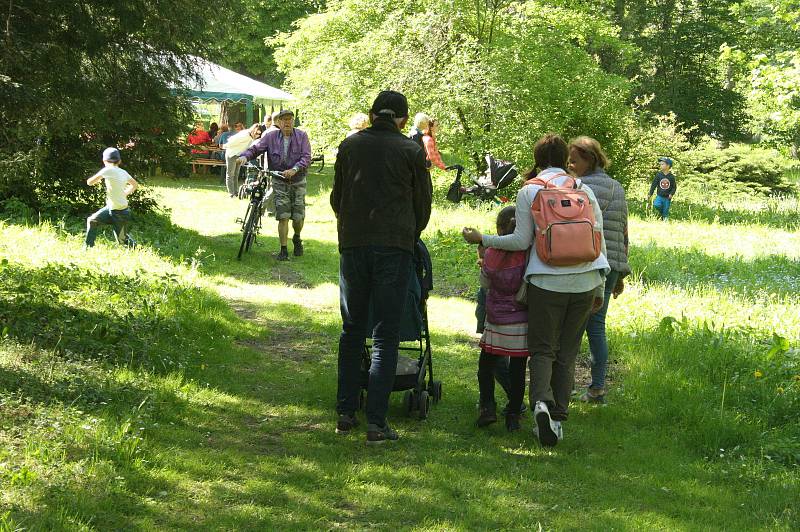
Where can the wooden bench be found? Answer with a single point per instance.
(207, 162)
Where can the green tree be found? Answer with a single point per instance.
(248, 47)
(771, 55)
(498, 74)
(774, 100)
(679, 44)
(76, 77)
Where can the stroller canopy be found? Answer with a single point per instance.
(502, 173)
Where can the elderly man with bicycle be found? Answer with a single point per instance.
(288, 151)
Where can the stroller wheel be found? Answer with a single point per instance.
(424, 404)
(408, 402)
(436, 391)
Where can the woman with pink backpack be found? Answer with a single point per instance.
(565, 276)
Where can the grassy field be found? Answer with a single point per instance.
(172, 387)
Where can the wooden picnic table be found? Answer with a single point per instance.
(207, 159)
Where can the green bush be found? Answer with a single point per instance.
(760, 170)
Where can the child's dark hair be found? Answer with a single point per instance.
(506, 219)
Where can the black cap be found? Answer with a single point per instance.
(390, 103)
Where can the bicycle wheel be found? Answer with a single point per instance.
(247, 230)
(255, 226)
(253, 230)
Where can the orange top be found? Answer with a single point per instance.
(433, 152)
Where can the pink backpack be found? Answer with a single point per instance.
(564, 221)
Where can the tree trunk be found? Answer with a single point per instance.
(476, 158)
(231, 113)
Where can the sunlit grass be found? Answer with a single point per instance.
(237, 432)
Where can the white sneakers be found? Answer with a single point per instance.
(548, 431)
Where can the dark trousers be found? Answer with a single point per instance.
(117, 219)
(380, 275)
(516, 378)
(555, 327)
(491, 368)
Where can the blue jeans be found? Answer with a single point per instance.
(596, 331)
(379, 275)
(661, 204)
(118, 219)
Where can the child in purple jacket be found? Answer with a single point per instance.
(505, 332)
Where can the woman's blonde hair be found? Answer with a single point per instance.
(359, 121)
(421, 121)
(590, 150)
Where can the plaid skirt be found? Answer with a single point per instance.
(509, 340)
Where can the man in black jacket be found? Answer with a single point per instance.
(382, 200)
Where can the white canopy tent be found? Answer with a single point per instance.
(220, 84)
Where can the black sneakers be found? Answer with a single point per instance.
(487, 415)
(512, 422)
(283, 254)
(345, 424)
(298, 246)
(377, 435)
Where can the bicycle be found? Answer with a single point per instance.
(260, 191)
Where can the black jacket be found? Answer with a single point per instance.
(381, 189)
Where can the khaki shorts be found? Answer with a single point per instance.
(290, 200)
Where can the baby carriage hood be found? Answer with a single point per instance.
(502, 173)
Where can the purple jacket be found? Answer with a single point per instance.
(271, 143)
(504, 271)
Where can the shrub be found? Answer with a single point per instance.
(642, 140)
(760, 170)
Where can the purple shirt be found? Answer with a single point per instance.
(271, 143)
(504, 271)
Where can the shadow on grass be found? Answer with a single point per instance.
(115, 319)
(729, 214)
(687, 268)
(243, 438)
(247, 442)
(283, 467)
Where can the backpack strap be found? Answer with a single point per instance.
(547, 183)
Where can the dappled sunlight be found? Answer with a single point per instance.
(238, 432)
(644, 306)
(57, 247)
(451, 315)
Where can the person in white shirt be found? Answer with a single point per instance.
(119, 185)
(235, 144)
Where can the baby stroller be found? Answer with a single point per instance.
(498, 175)
(414, 373)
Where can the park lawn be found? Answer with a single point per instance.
(173, 387)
